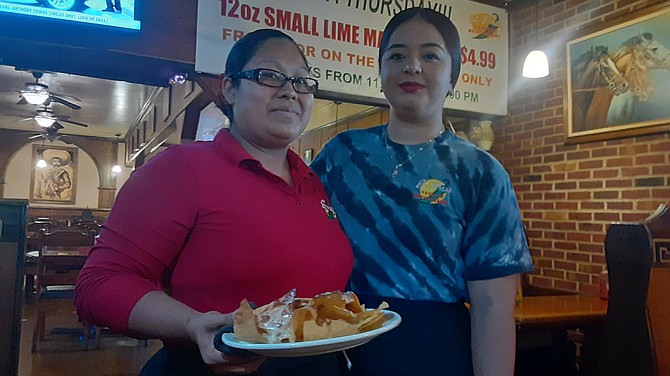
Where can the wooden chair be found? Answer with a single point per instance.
(658, 304)
(33, 240)
(38, 236)
(60, 258)
(626, 344)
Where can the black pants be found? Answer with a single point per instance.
(432, 339)
(187, 362)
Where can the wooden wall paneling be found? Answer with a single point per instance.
(310, 141)
(366, 122)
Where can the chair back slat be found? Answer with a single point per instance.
(626, 347)
(658, 303)
(63, 278)
(67, 238)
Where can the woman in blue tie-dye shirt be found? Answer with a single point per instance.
(433, 220)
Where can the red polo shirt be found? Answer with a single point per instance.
(207, 221)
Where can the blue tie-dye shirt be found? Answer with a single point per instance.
(448, 216)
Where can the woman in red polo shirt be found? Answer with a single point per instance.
(202, 226)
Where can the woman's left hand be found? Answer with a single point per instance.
(203, 328)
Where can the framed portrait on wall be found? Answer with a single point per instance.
(618, 78)
(54, 178)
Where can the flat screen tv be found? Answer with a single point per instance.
(112, 13)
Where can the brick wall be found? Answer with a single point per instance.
(569, 194)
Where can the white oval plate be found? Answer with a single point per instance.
(315, 347)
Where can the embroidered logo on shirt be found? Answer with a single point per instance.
(432, 191)
(330, 212)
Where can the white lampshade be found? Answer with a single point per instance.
(41, 163)
(35, 97)
(44, 121)
(116, 169)
(536, 65)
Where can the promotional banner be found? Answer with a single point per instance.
(341, 38)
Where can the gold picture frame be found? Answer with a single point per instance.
(55, 183)
(618, 79)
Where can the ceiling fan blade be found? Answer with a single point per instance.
(55, 127)
(64, 139)
(72, 97)
(25, 117)
(35, 136)
(64, 102)
(74, 122)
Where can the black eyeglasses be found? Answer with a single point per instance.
(272, 78)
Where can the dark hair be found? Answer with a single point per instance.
(442, 23)
(244, 50)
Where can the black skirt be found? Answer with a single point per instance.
(432, 339)
(170, 361)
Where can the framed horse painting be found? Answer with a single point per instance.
(618, 79)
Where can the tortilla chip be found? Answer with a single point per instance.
(329, 329)
(244, 324)
(330, 316)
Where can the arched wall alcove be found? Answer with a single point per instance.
(96, 185)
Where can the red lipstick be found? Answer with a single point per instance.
(411, 87)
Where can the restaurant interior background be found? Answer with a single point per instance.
(568, 193)
(135, 104)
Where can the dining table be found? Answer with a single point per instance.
(557, 323)
(559, 311)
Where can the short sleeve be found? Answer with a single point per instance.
(494, 242)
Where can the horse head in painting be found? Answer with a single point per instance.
(635, 58)
(592, 71)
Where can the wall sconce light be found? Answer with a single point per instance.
(116, 169)
(536, 64)
(41, 163)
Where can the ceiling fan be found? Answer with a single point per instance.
(38, 93)
(46, 118)
(51, 134)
